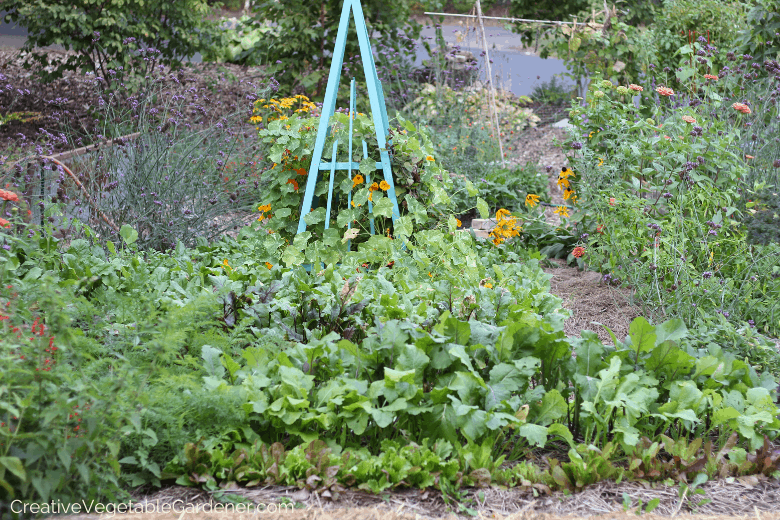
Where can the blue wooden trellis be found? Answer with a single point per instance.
(378, 113)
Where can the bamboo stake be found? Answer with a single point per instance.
(492, 89)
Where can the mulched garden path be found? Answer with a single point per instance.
(745, 497)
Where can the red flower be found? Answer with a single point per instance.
(293, 182)
(710, 76)
(578, 251)
(4, 223)
(741, 107)
(9, 195)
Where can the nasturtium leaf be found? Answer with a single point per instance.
(314, 217)
(403, 226)
(470, 189)
(383, 208)
(367, 166)
(292, 256)
(483, 208)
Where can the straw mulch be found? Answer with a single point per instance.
(742, 498)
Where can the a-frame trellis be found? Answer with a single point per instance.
(378, 113)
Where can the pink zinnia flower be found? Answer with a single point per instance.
(636, 87)
(665, 91)
(688, 119)
(710, 76)
(741, 107)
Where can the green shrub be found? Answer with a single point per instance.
(761, 38)
(108, 35)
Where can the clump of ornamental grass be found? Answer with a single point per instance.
(167, 161)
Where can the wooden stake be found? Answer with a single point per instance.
(492, 89)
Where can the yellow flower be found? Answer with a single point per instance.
(268, 265)
(569, 193)
(374, 186)
(562, 211)
(489, 285)
(264, 208)
(357, 179)
(563, 182)
(458, 222)
(497, 241)
(255, 119)
(501, 213)
(429, 158)
(712, 255)
(371, 196)
(531, 200)
(601, 161)
(566, 173)
(384, 186)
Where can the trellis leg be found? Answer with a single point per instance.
(330, 184)
(368, 183)
(378, 111)
(328, 107)
(349, 157)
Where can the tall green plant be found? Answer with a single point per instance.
(299, 50)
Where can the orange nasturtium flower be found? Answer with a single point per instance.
(293, 182)
(578, 251)
(430, 158)
(357, 179)
(269, 265)
(374, 186)
(384, 186)
(531, 200)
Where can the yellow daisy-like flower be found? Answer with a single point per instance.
(458, 222)
(601, 161)
(430, 158)
(501, 213)
(489, 285)
(256, 119)
(566, 173)
(563, 182)
(569, 193)
(371, 196)
(357, 179)
(497, 241)
(384, 186)
(531, 200)
(264, 208)
(562, 211)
